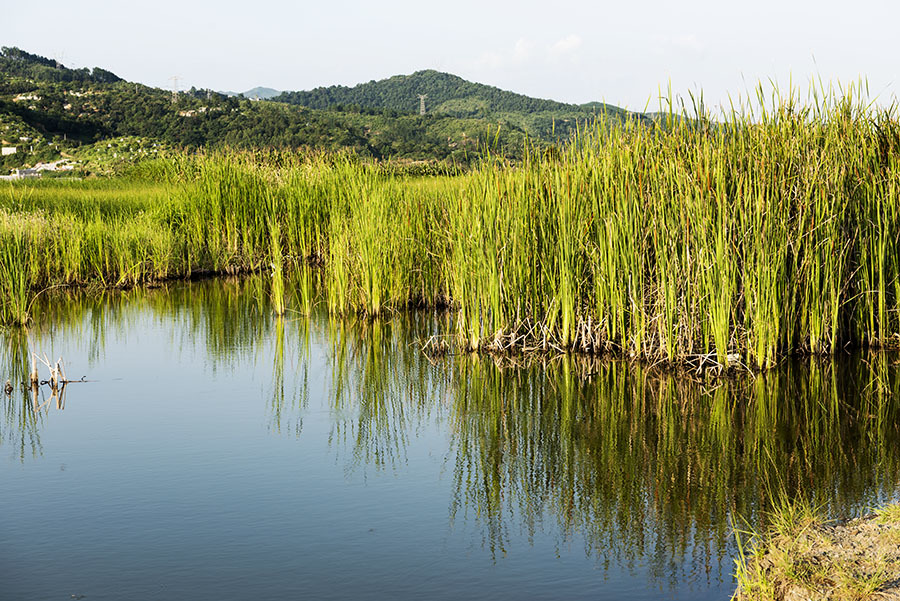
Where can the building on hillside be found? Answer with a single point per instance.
(21, 174)
(60, 165)
(7, 150)
(39, 169)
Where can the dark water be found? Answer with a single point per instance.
(218, 453)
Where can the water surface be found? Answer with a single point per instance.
(219, 453)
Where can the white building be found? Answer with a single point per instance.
(7, 150)
(21, 174)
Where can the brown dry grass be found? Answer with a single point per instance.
(803, 557)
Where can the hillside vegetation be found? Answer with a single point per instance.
(50, 110)
(453, 96)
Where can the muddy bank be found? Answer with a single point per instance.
(807, 559)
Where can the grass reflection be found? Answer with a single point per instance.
(645, 465)
(640, 465)
(21, 421)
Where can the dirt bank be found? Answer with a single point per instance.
(803, 558)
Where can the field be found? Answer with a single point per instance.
(727, 243)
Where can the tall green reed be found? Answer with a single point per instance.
(766, 231)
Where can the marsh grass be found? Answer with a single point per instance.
(889, 514)
(19, 234)
(277, 266)
(769, 230)
(802, 555)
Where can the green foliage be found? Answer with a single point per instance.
(32, 66)
(401, 92)
(66, 109)
(17, 267)
(733, 245)
(453, 96)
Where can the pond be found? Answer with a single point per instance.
(216, 452)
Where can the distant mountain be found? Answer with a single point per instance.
(56, 110)
(400, 93)
(451, 95)
(257, 93)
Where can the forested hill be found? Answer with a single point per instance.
(400, 93)
(454, 96)
(33, 67)
(48, 110)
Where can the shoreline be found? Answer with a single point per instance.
(513, 346)
(804, 556)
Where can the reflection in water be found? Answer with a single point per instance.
(648, 466)
(641, 465)
(382, 389)
(21, 421)
(638, 465)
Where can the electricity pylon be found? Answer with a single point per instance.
(174, 79)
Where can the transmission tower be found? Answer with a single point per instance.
(422, 98)
(174, 79)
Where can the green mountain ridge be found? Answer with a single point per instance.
(451, 95)
(14, 61)
(59, 110)
(257, 93)
(400, 93)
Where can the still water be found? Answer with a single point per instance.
(215, 452)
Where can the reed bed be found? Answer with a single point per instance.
(730, 242)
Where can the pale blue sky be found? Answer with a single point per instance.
(620, 52)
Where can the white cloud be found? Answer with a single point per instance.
(522, 50)
(688, 41)
(565, 46)
(493, 60)
(526, 51)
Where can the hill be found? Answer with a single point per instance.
(48, 111)
(454, 96)
(257, 93)
(17, 62)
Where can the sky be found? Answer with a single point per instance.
(624, 53)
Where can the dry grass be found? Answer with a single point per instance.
(804, 557)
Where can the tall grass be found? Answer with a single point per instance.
(769, 230)
(17, 266)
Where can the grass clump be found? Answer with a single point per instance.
(17, 266)
(802, 556)
(889, 514)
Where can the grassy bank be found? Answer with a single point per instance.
(804, 556)
(769, 232)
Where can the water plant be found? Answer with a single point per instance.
(709, 242)
(17, 267)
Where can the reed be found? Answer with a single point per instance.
(769, 230)
(17, 268)
(277, 266)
